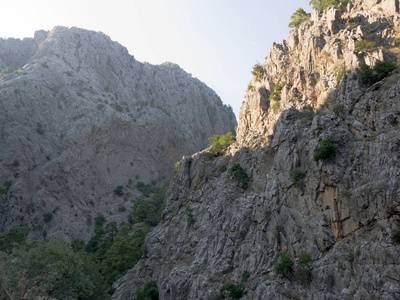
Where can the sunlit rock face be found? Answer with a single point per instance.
(343, 212)
(80, 116)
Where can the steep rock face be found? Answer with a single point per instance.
(345, 212)
(80, 116)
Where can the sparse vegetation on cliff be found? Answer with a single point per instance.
(239, 174)
(326, 150)
(219, 143)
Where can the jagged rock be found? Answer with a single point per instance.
(80, 116)
(344, 212)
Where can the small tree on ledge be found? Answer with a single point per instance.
(299, 17)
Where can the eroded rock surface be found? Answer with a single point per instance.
(80, 116)
(345, 212)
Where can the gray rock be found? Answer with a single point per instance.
(80, 117)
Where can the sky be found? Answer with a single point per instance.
(217, 41)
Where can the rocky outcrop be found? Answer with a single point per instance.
(345, 212)
(80, 116)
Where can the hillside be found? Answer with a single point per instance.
(79, 117)
(319, 138)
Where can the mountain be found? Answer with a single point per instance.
(80, 117)
(318, 216)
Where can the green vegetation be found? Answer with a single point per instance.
(47, 217)
(52, 270)
(364, 45)
(219, 143)
(148, 292)
(45, 64)
(341, 69)
(303, 271)
(239, 174)
(148, 211)
(190, 216)
(4, 189)
(119, 191)
(277, 91)
(276, 106)
(235, 291)
(326, 150)
(397, 42)
(40, 128)
(258, 71)
(297, 177)
(176, 167)
(338, 109)
(250, 87)
(299, 17)
(325, 4)
(284, 265)
(369, 76)
(222, 168)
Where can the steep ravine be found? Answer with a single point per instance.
(80, 116)
(346, 211)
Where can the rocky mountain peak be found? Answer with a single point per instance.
(80, 117)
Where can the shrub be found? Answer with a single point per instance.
(325, 4)
(99, 220)
(276, 106)
(190, 216)
(239, 174)
(40, 129)
(249, 87)
(397, 42)
(299, 17)
(382, 69)
(119, 191)
(148, 292)
(364, 45)
(219, 143)
(15, 163)
(284, 265)
(369, 76)
(338, 109)
(258, 71)
(47, 217)
(297, 177)
(176, 167)
(235, 291)
(222, 168)
(303, 272)
(326, 150)
(3, 191)
(277, 91)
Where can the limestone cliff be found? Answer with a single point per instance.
(344, 212)
(80, 116)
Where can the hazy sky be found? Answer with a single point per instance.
(217, 41)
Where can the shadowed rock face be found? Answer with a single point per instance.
(80, 116)
(344, 212)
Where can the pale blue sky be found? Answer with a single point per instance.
(217, 41)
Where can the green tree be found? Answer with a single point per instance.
(148, 292)
(124, 253)
(326, 150)
(325, 4)
(239, 174)
(303, 269)
(145, 211)
(51, 270)
(284, 265)
(299, 17)
(219, 143)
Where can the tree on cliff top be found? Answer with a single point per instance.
(325, 4)
(299, 17)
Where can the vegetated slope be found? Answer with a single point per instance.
(80, 117)
(322, 154)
